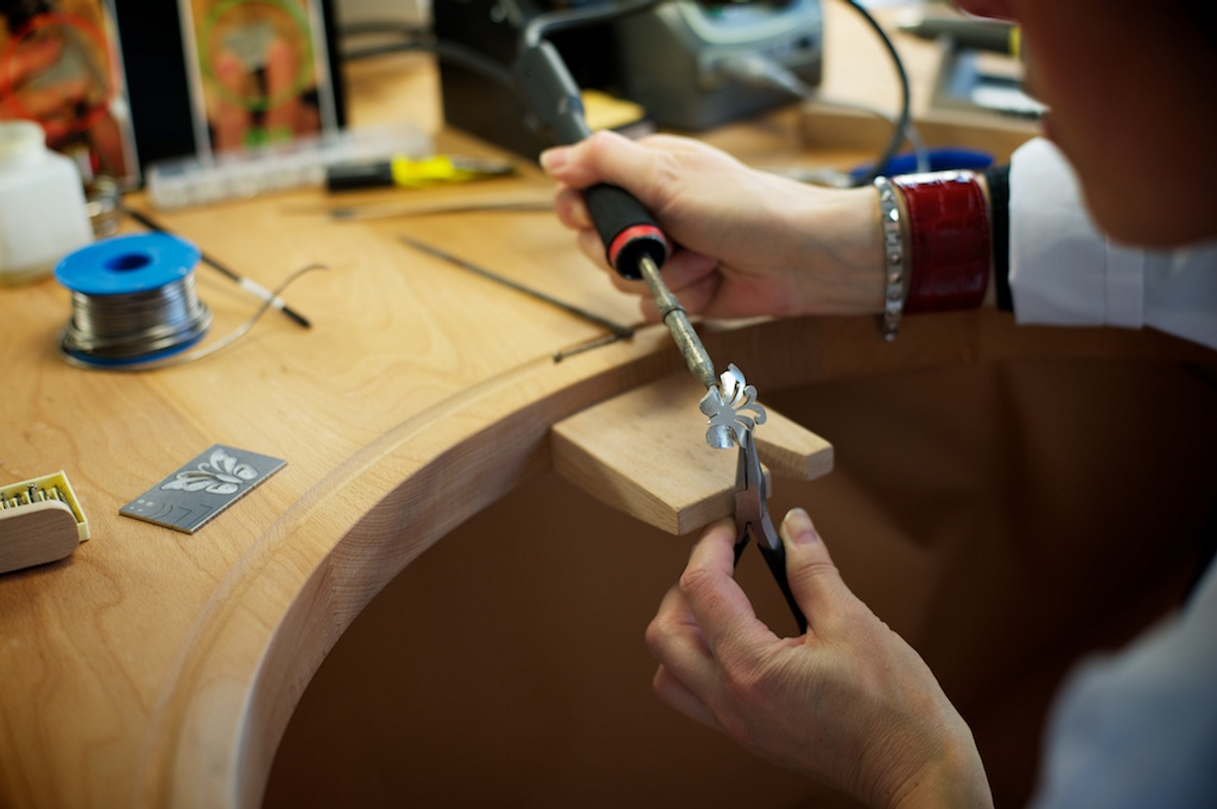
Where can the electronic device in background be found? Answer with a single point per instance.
(981, 80)
(477, 43)
(689, 64)
(676, 61)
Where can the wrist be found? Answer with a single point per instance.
(927, 757)
(840, 253)
(954, 780)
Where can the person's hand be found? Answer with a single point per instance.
(750, 243)
(849, 703)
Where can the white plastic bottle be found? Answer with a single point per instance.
(42, 204)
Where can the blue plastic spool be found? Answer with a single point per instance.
(129, 265)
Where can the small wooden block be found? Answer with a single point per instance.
(35, 534)
(791, 450)
(645, 453)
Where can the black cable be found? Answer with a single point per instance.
(898, 135)
(452, 52)
(998, 179)
(542, 25)
(551, 22)
(371, 51)
(373, 27)
(533, 33)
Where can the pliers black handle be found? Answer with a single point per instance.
(752, 520)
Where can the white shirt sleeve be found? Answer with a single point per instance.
(1138, 730)
(1064, 272)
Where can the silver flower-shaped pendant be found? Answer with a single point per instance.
(732, 409)
(221, 474)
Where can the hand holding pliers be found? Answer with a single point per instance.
(733, 414)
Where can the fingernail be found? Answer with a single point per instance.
(797, 527)
(555, 158)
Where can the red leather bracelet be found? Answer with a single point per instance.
(949, 234)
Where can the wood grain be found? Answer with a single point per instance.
(156, 668)
(644, 453)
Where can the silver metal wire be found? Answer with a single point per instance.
(133, 332)
(125, 327)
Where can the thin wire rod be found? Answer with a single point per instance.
(190, 356)
(248, 284)
(622, 332)
(902, 121)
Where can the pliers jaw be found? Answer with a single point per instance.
(752, 496)
(752, 520)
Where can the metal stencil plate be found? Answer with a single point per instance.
(215, 479)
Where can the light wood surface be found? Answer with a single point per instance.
(644, 453)
(153, 668)
(791, 450)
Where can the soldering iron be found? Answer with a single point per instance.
(635, 245)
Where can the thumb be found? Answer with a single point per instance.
(605, 157)
(814, 579)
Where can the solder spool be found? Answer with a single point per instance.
(133, 300)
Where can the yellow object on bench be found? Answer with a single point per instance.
(40, 521)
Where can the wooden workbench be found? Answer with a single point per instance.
(156, 668)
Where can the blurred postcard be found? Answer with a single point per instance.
(61, 65)
(259, 72)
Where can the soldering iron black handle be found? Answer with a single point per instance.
(626, 228)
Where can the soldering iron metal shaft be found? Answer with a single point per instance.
(674, 317)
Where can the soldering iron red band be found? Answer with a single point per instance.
(950, 238)
(632, 234)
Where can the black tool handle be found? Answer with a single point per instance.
(626, 228)
(775, 557)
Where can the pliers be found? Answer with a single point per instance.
(752, 519)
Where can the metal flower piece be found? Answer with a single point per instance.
(732, 409)
(221, 474)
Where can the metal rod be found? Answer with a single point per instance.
(598, 342)
(245, 283)
(621, 332)
(678, 324)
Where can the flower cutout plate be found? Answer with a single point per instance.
(190, 497)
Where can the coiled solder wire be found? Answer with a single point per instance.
(134, 304)
(138, 325)
(133, 299)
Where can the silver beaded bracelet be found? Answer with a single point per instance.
(893, 257)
